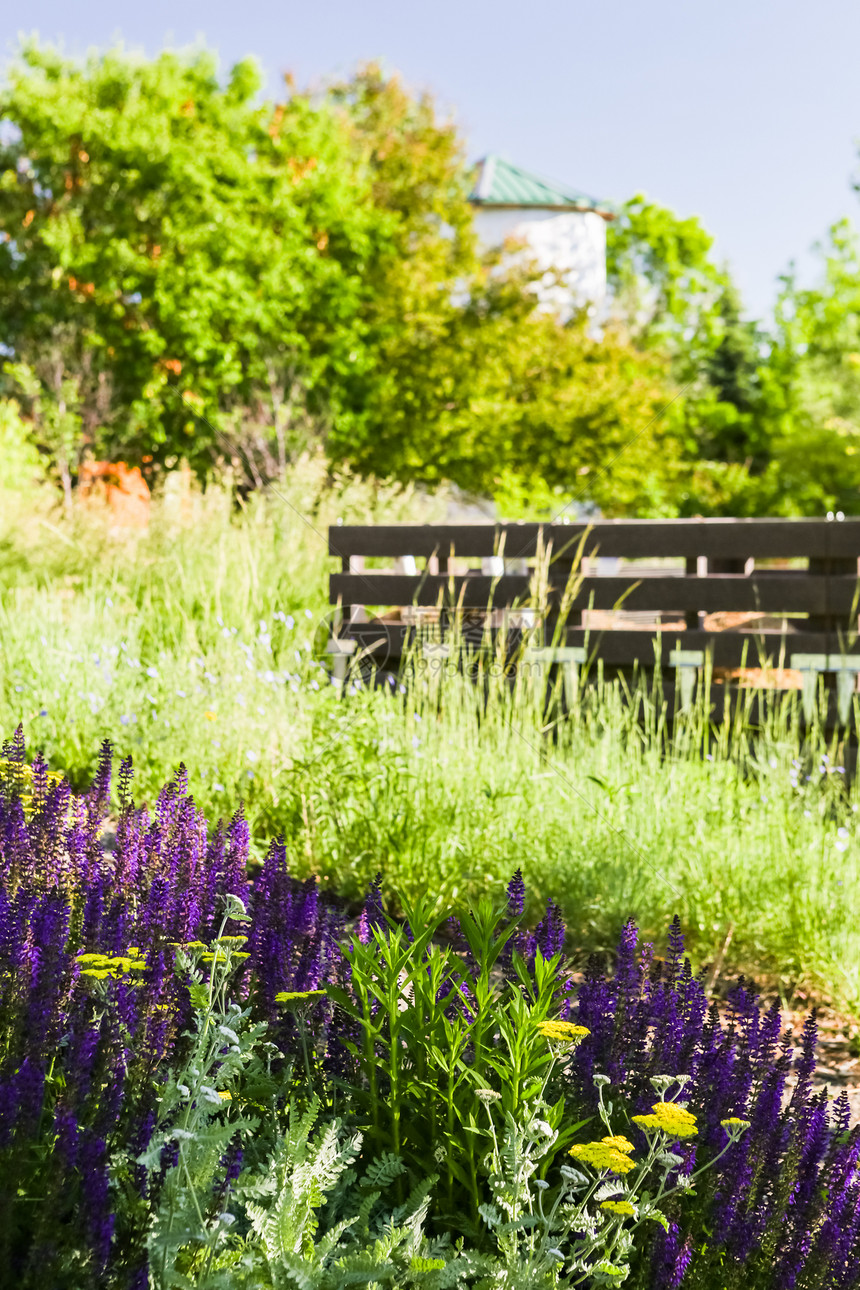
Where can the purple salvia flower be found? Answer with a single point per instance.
(66, 1129)
(139, 1279)
(15, 854)
(93, 1170)
(29, 1094)
(516, 896)
(15, 749)
(670, 1259)
(550, 931)
(675, 956)
(124, 783)
(372, 914)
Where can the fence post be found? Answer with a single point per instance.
(686, 663)
(569, 657)
(692, 618)
(831, 567)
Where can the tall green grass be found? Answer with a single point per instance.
(195, 643)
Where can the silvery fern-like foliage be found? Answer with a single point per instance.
(282, 1203)
(283, 1251)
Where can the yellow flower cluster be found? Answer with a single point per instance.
(220, 956)
(9, 769)
(620, 1143)
(609, 1154)
(619, 1207)
(564, 1031)
(100, 966)
(12, 771)
(734, 1122)
(295, 996)
(669, 1118)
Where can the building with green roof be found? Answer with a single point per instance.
(561, 228)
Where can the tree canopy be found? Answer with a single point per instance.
(191, 270)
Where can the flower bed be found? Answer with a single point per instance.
(212, 1076)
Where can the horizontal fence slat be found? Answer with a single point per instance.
(388, 641)
(473, 591)
(620, 648)
(634, 539)
(769, 593)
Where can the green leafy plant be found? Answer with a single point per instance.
(424, 1042)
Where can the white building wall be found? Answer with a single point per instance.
(572, 242)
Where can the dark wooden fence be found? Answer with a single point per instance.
(755, 592)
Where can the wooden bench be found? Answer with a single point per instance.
(746, 592)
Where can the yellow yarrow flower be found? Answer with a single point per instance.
(564, 1031)
(293, 996)
(670, 1118)
(646, 1122)
(602, 1156)
(619, 1143)
(619, 1207)
(734, 1122)
(105, 965)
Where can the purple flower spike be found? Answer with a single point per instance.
(372, 914)
(550, 932)
(516, 896)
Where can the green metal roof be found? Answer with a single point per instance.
(499, 183)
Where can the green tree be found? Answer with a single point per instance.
(678, 301)
(531, 407)
(214, 274)
(664, 283)
(200, 254)
(813, 379)
(471, 380)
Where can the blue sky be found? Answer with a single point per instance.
(743, 112)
